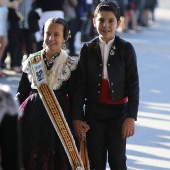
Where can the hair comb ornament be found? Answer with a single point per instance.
(69, 34)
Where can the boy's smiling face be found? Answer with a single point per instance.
(106, 25)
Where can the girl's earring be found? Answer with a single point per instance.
(63, 46)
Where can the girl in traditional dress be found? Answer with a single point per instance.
(42, 148)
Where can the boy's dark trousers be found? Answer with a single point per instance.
(104, 139)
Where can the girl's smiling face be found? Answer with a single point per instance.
(53, 37)
(106, 24)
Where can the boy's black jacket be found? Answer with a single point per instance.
(122, 73)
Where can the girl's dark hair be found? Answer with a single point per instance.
(108, 6)
(59, 21)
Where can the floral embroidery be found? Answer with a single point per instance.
(64, 72)
(61, 70)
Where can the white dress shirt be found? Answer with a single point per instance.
(105, 49)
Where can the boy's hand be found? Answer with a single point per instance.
(80, 129)
(128, 127)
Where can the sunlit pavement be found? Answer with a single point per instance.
(149, 148)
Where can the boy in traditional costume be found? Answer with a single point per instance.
(108, 87)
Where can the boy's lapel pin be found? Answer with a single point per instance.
(112, 51)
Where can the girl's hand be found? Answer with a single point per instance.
(80, 129)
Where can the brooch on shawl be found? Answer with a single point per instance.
(112, 51)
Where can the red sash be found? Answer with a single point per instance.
(105, 96)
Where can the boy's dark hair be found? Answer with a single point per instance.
(108, 6)
(59, 21)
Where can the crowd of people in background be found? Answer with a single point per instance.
(22, 20)
(136, 13)
(26, 30)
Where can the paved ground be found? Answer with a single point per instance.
(149, 148)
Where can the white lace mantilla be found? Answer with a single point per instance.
(8, 105)
(61, 70)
